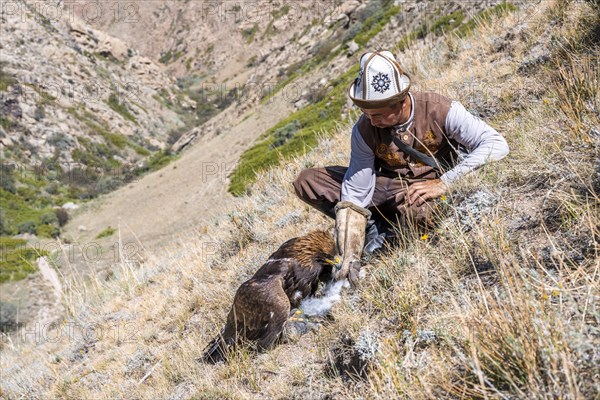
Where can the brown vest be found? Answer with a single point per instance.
(427, 134)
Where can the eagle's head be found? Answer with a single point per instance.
(319, 247)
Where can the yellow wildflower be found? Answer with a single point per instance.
(425, 237)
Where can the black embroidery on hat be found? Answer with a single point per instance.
(381, 82)
(359, 79)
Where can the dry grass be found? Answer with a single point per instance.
(500, 301)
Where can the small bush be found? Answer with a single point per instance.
(18, 259)
(250, 33)
(47, 231)
(175, 134)
(166, 57)
(7, 180)
(9, 317)
(159, 160)
(106, 232)
(251, 61)
(285, 133)
(107, 184)
(6, 80)
(49, 218)
(39, 113)
(114, 103)
(352, 31)
(323, 49)
(27, 227)
(375, 23)
(62, 216)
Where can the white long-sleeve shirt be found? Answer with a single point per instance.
(483, 143)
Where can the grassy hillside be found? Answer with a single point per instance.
(500, 301)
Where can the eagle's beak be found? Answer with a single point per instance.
(335, 262)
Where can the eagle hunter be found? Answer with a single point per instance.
(262, 304)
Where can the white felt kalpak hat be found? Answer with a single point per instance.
(381, 81)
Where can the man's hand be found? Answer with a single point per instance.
(420, 192)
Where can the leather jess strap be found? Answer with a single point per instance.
(431, 161)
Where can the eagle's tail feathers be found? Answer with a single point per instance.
(217, 350)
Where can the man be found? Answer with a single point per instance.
(403, 155)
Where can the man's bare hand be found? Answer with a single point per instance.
(420, 192)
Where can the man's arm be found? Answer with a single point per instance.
(483, 142)
(359, 182)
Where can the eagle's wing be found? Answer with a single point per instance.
(301, 281)
(260, 309)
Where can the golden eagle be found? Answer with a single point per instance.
(262, 304)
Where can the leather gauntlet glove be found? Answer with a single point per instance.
(350, 224)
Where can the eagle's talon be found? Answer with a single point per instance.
(299, 327)
(295, 311)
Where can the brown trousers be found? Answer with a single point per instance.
(321, 188)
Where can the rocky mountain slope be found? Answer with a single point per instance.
(68, 87)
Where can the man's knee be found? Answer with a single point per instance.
(304, 181)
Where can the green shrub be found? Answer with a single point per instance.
(27, 227)
(28, 193)
(281, 12)
(352, 31)
(5, 123)
(251, 61)
(47, 231)
(160, 159)
(106, 232)
(375, 23)
(322, 49)
(171, 57)
(285, 133)
(49, 218)
(18, 259)
(107, 184)
(16, 211)
(441, 25)
(142, 151)
(60, 141)
(7, 179)
(114, 103)
(165, 58)
(250, 33)
(6, 80)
